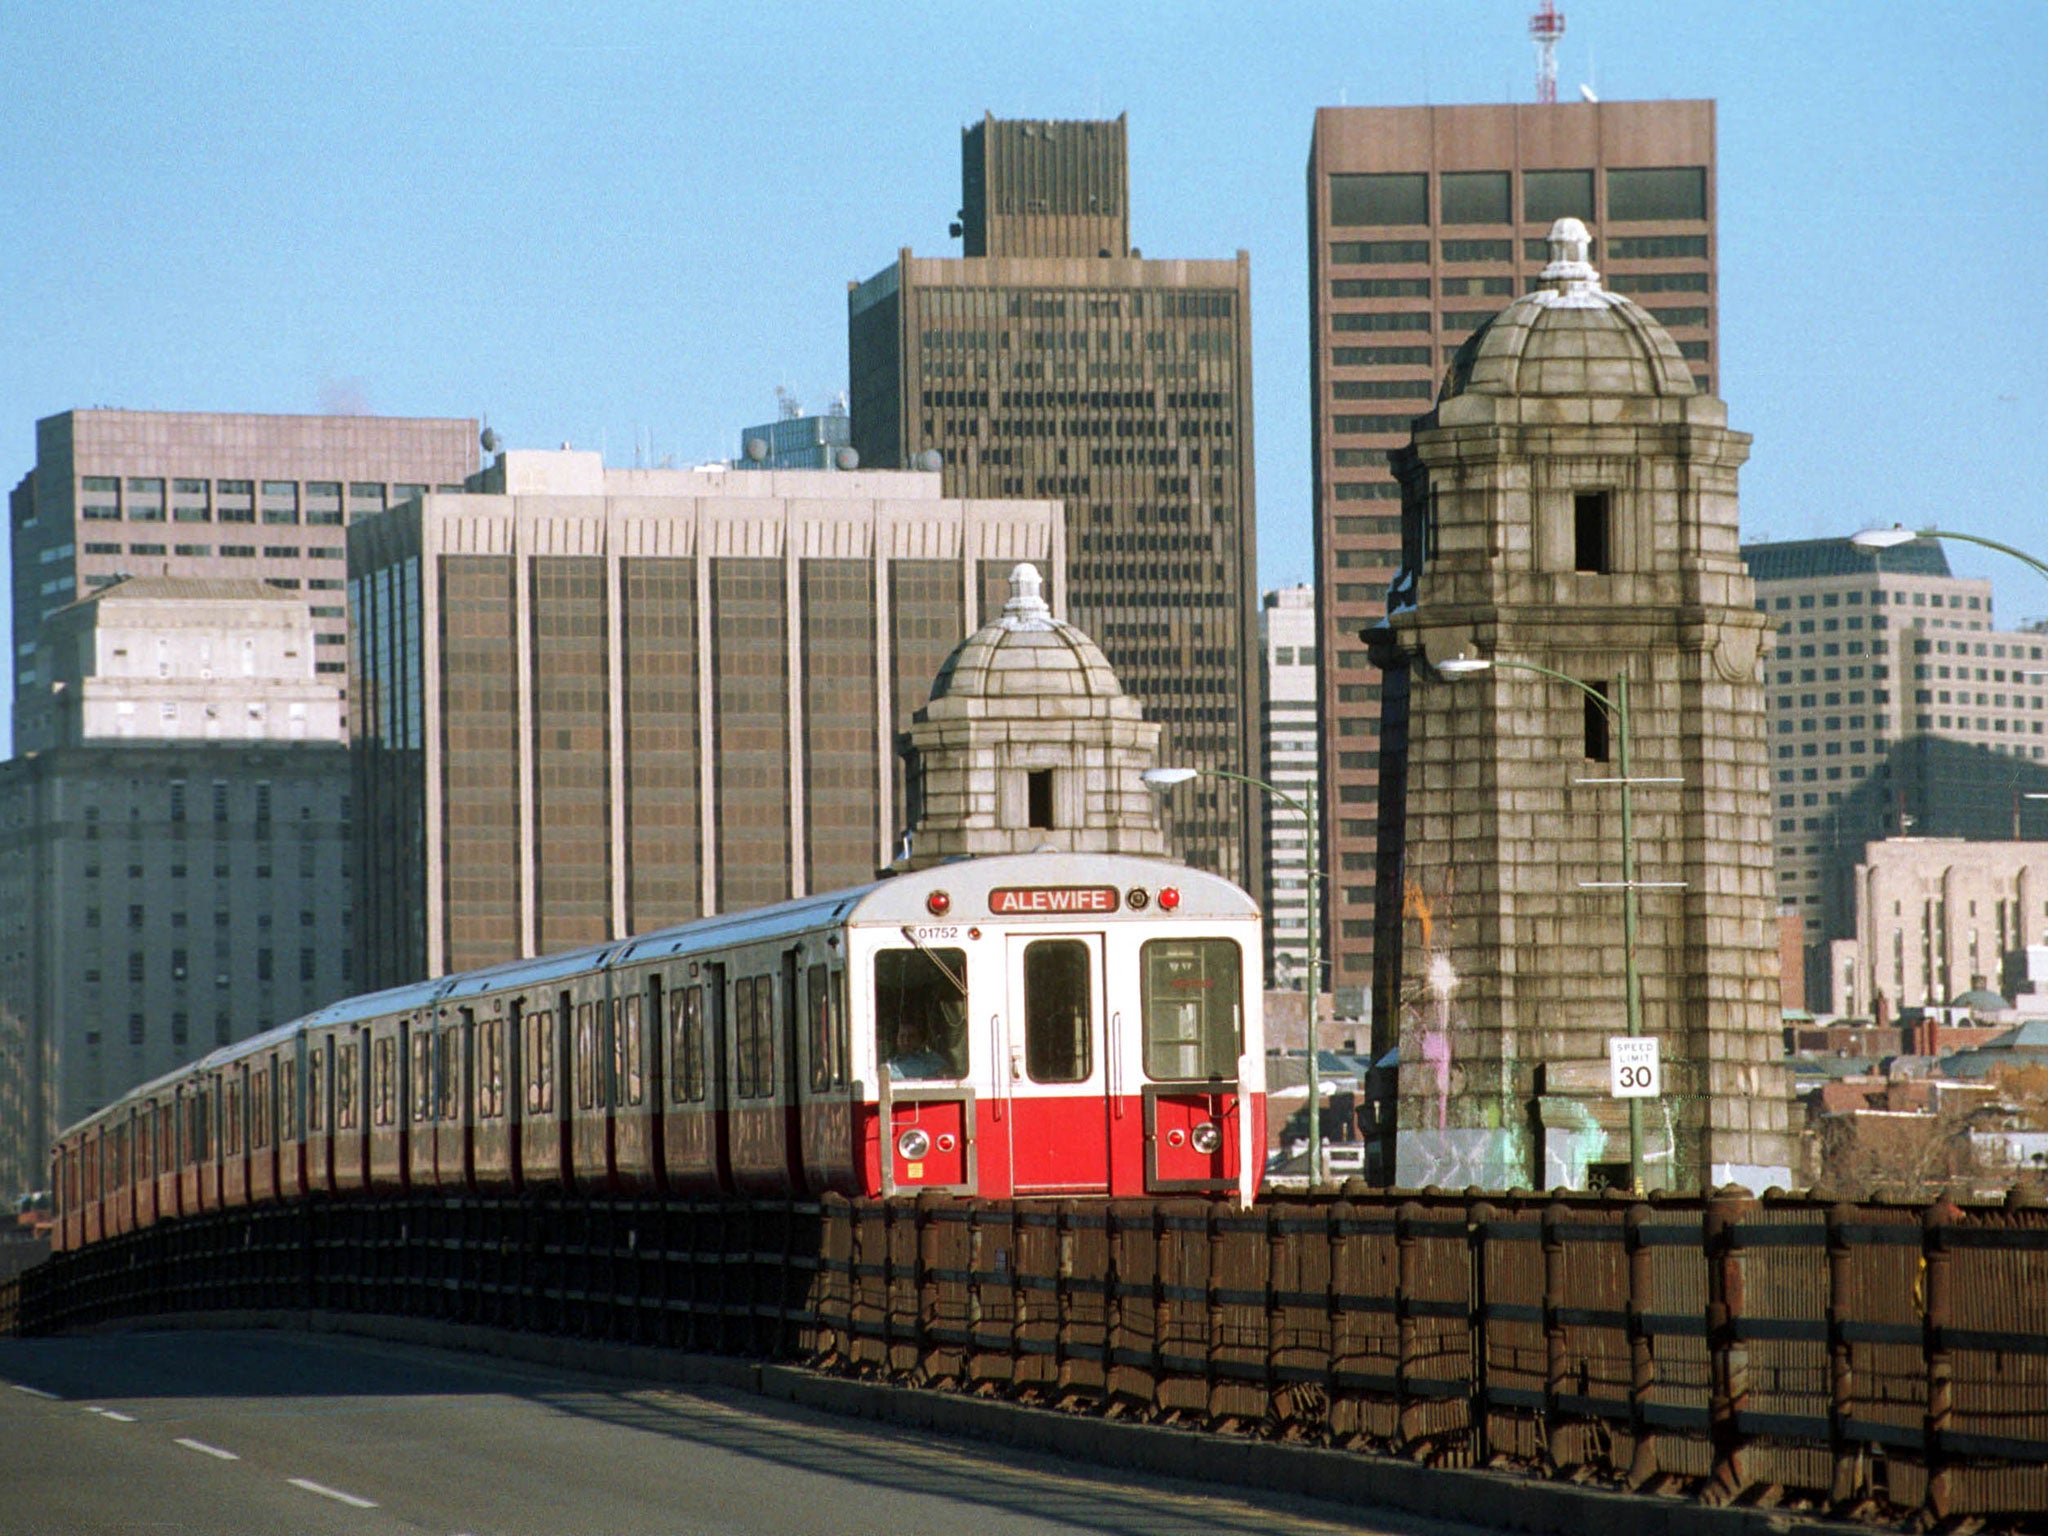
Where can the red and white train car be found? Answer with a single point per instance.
(1038, 1024)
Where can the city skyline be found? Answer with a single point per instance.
(596, 196)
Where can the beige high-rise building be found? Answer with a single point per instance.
(1898, 709)
(118, 494)
(1053, 360)
(591, 702)
(1423, 222)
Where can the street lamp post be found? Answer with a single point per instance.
(1617, 706)
(1892, 537)
(1166, 778)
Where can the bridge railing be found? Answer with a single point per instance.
(1875, 1359)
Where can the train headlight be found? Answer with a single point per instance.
(1137, 898)
(913, 1144)
(1205, 1138)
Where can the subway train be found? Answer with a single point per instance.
(1033, 1024)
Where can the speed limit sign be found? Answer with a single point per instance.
(1632, 1068)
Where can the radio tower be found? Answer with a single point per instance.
(1546, 26)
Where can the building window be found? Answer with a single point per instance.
(1400, 197)
(1548, 195)
(1474, 197)
(1038, 798)
(1591, 544)
(1598, 742)
(1672, 192)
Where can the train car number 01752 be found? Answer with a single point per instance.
(934, 935)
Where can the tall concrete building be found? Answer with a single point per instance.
(188, 494)
(172, 875)
(1290, 758)
(1569, 511)
(1423, 222)
(1052, 360)
(591, 702)
(1897, 709)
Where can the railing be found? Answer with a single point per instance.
(1878, 1360)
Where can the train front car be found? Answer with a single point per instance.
(1058, 1024)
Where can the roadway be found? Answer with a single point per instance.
(221, 1434)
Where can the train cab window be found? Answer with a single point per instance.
(825, 998)
(540, 1062)
(587, 1059)
(422, 1095)
(1059, 1021)
(383, 1081)
(921, 1013)
(1193, 1002)
(490, 1069)
(628, 1058)
(686, 1045)
(753, 1033)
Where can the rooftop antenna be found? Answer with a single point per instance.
(1546, 26)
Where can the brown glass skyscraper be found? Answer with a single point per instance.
(1423, 223)
(1054, 361)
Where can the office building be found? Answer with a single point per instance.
(173, 874)
(1898, 709)
(1931, 918)
(1423, 222)
(1054, 361)
(593, 701)
(1290, 749)
(186, 494)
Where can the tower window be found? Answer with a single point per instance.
(1592, 548)
(1038, 798)
(1598, 741)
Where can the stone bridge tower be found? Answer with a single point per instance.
(1028, 742)
(1571, 503)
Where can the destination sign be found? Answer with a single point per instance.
(1051, 900)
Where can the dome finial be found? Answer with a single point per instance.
(1569, 270)
(1026, 609)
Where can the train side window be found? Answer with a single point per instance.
(540, 1062)
(627, 1056)
(232, 1130)
(447, 1073)
(383, 1084)
(586, 1055)
(686, 1045)
(316, 1088)
(422, 1075)
(754, 1036)
(1193, 1001)
(1059, 1022)
(819, 1037)
(287, 1101)
(259, 1110)
(345, 1087)
(921, 1013)
(490, 1073)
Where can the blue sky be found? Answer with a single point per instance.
(625, 225)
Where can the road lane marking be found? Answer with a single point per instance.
(34, 1391)
(207, 1450)
(109, 1413)
(331, 1493)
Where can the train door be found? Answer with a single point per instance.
(636, 1081)
(1061, 1067)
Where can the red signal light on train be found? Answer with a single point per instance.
(1169, 898)
(938, 903)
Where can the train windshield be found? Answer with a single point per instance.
(1193, 996)
(921, 1012)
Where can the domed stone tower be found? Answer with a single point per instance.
(1569, 513)
(1029, 742)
